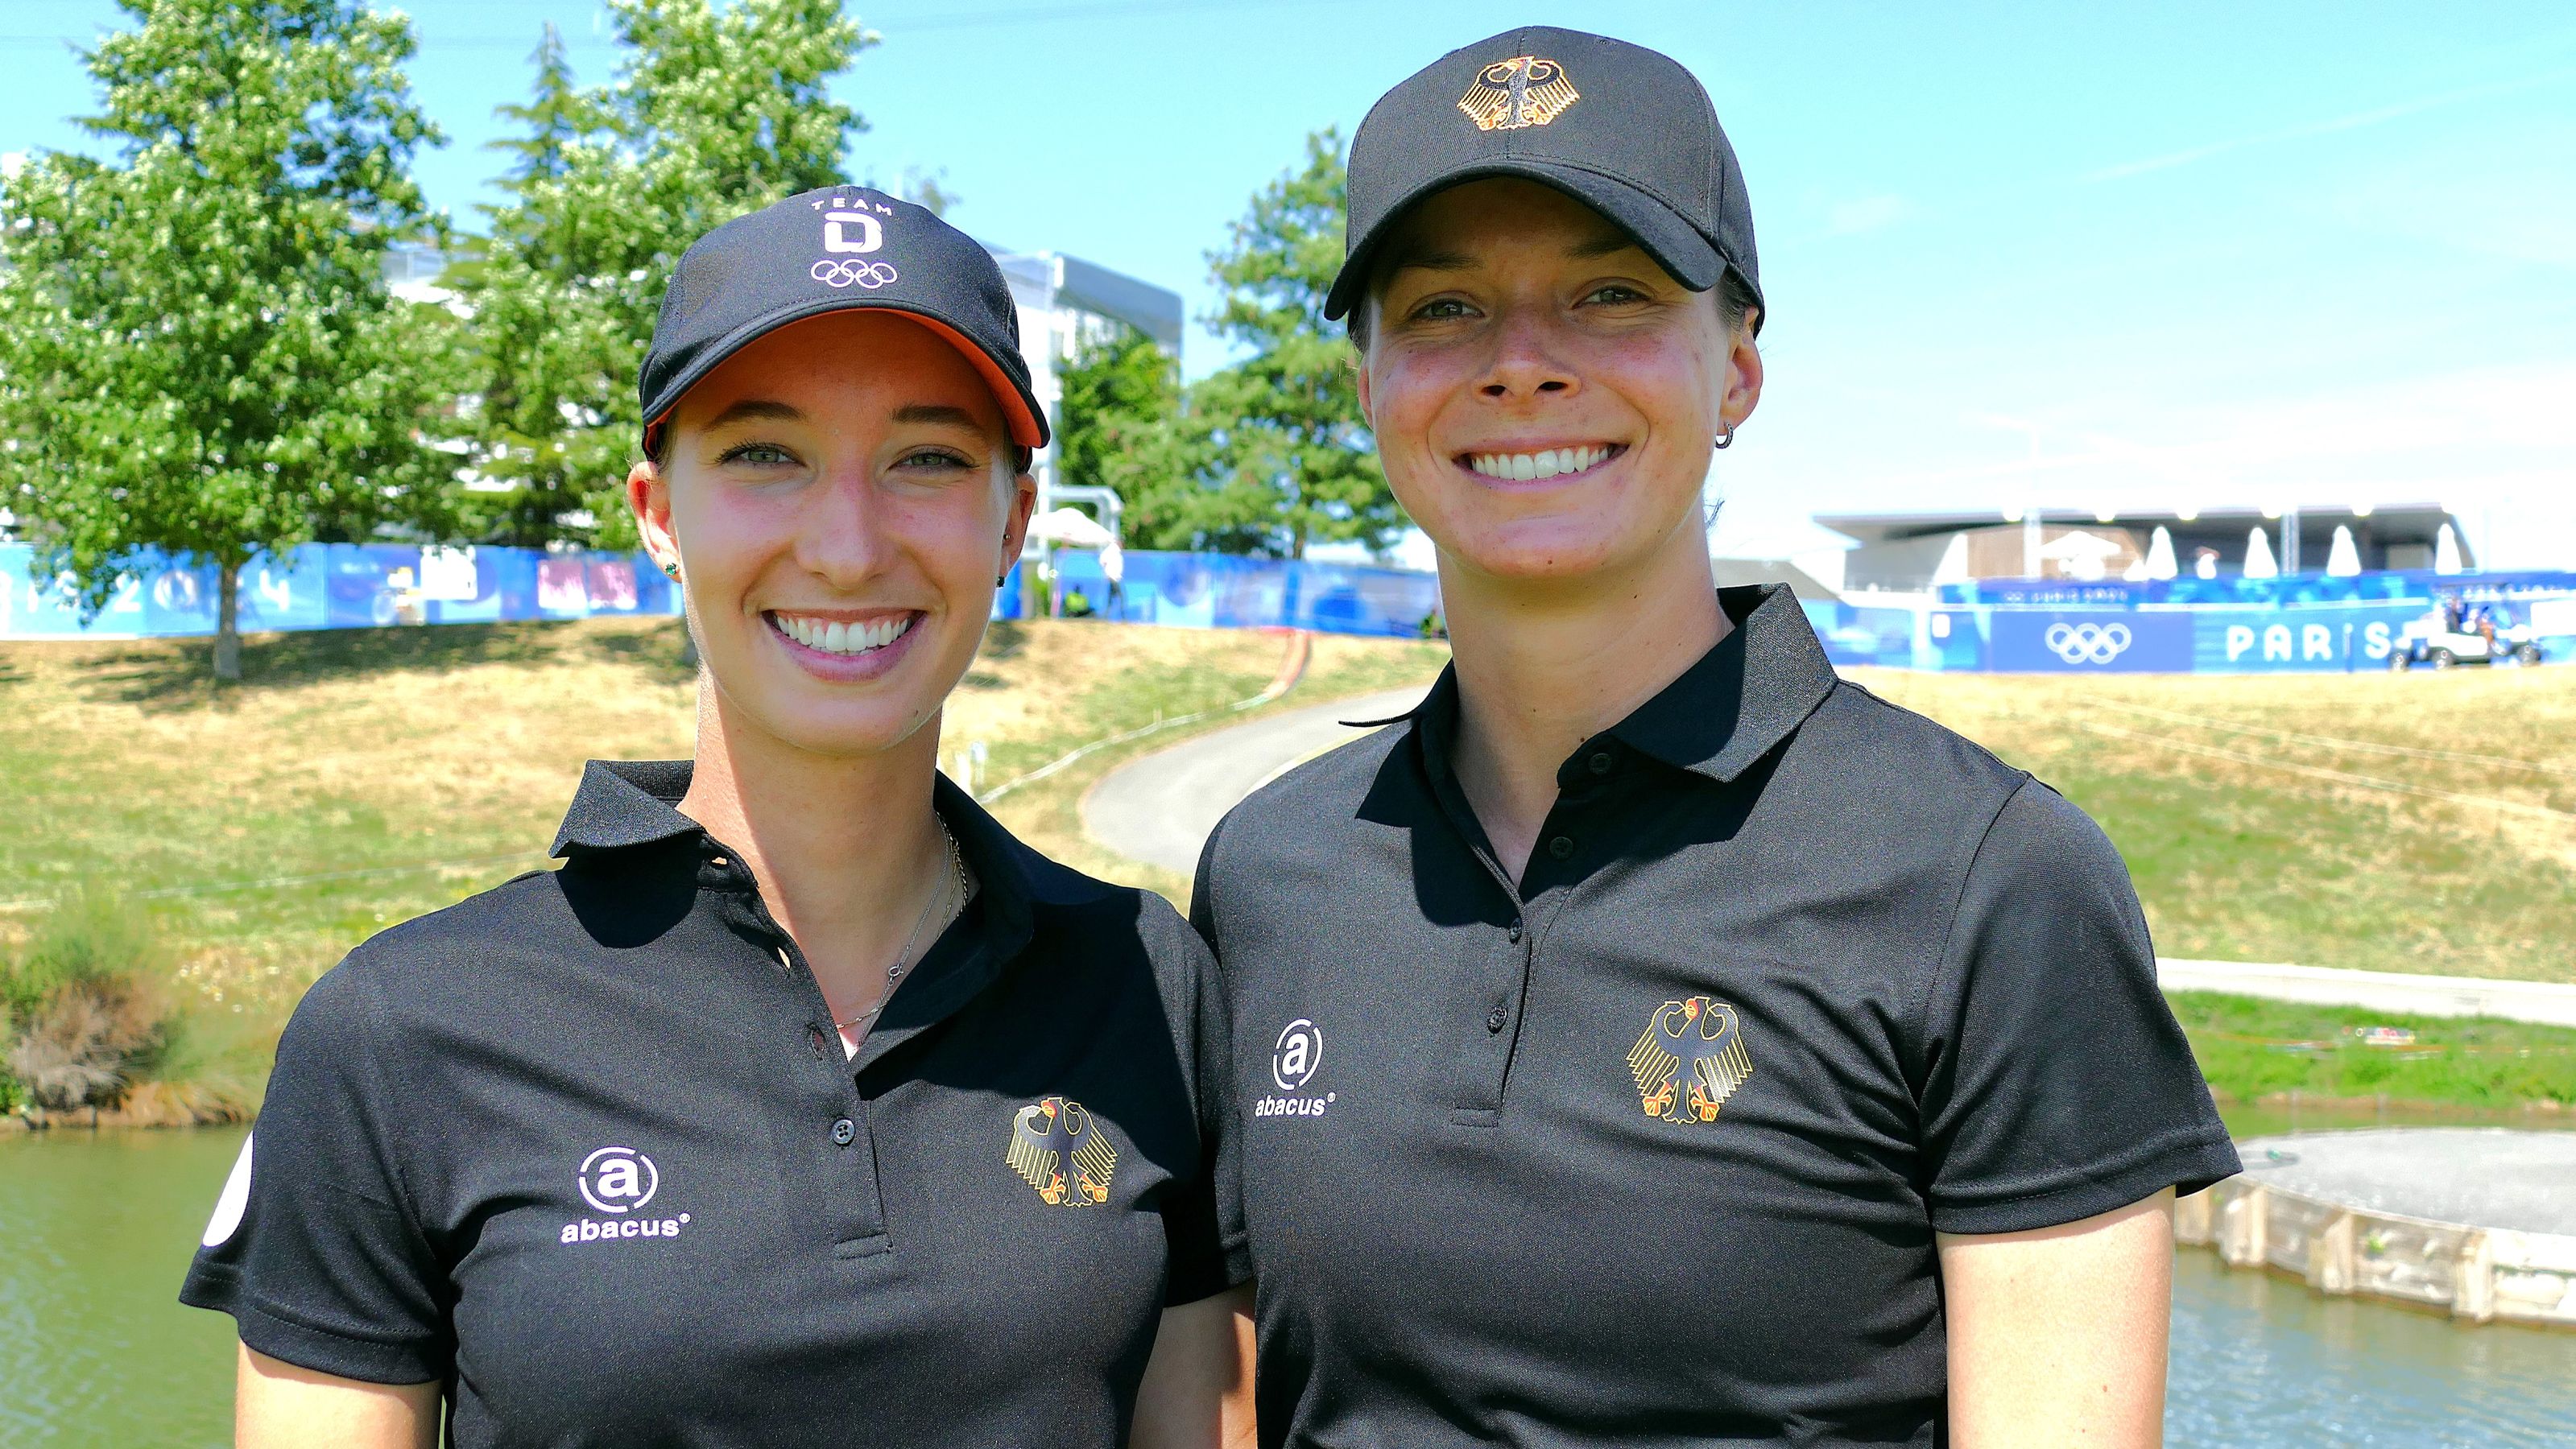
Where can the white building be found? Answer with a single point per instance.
(1064, 302)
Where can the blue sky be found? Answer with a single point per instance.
(2208, 253)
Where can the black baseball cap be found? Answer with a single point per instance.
(835, 250)
(1623, 129)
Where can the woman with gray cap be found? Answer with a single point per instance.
(803, 1105)
(1652, 1039)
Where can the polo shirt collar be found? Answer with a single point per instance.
(1743, 697)
(624, 803)
(1730, 708)
(628, 803)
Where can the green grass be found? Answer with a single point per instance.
(234, 823)
(359, 778)
(2241, 807)
(2255, 1051)
(1047, 813)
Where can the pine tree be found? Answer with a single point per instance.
(1290, 459)
(198, 353)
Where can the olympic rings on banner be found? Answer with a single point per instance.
(2087, 643)
(870, 275)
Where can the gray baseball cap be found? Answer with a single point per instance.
(1625, 130)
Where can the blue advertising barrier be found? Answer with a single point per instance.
(338, 586)
(1227, 591)
(2171, 638)
(2310, 625)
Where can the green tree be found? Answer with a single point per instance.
(1289, 458)
(198, 353)
(712, 114)
(1121, 412)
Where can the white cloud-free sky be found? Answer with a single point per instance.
(2215, 253)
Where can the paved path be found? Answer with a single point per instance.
(2546, 1003)
(1160, 809)
(2487, 1177)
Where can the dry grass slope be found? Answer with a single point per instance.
(2413, 822)
(360, 778)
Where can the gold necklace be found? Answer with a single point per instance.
(903, 958)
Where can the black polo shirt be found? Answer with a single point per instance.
(587, 1148)
(1651, 1150)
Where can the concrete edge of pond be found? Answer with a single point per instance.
(2476, 1272)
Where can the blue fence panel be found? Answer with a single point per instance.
(1226, 591)
(2308, 624)
(2032, 641)
(339, 586)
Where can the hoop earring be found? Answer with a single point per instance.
(1724, 438)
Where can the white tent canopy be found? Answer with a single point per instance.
(2343, 560)
(2258, 556)
(1071, 528)
(2160, 554)
(2446, 551)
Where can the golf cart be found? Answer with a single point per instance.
(2443, 638)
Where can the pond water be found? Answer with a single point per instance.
(97, 1228)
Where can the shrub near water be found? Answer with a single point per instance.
(79, 1025)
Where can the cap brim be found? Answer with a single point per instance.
(1674, 243)
(1020, 415)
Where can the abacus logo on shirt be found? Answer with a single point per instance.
(1293, 1064)
(618, 1181)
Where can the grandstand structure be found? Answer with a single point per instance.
(1914, 552)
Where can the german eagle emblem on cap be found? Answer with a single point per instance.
(1690, 1060)
(1058, 1149)
(1525, 90)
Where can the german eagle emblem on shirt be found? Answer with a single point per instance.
(1526, 90)
(1690, 1060)
(1059, 1150)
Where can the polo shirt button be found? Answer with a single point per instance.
(844, 1132)
(1561, 847)
(1516, 930)
(1601, 762)
(1495, 1020)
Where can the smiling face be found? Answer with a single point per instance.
(1543, 393)
(839, 496)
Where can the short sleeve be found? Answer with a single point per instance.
(2056, 1084)
(1220, 1095)
(1207, 1252)
(311, 1248)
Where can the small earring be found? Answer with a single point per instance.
(1724, 438)
(671, 567)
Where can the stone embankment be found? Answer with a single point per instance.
(2480, 1224)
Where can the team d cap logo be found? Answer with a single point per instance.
(851, 230)
(1690, 1060)
(1525, 90)
(1058, 1149)
(618, 1179)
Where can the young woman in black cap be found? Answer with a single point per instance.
(803, 1104)
(1653, 1039)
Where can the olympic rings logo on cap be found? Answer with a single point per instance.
(870, 275)
(2087, 643)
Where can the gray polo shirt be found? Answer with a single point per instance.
(1651, 1148)
(587, 1148)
